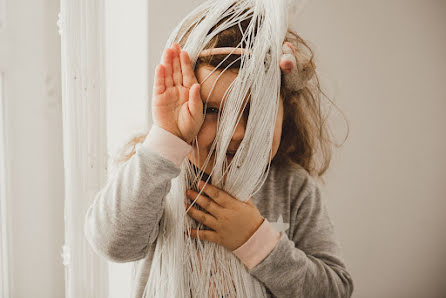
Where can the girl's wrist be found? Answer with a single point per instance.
(167, 144)
(258, 246)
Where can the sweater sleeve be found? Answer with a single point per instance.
(124, 216)
(309, 264)
(258, 246)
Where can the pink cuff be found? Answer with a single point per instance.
(167, 145)
(258, 246)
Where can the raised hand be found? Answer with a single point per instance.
(176, 100)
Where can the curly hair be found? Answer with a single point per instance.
(306, 141)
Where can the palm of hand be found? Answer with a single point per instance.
(177, 105)
(170, 105)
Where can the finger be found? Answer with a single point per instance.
(194, 104)
(286, 66)
(290, 45)
(202, 217)
(208, 204)
(250, 202)
(177, 76)
(222, 198)
(205, 235)
(159, 85)
(189, 77)
(167, 61)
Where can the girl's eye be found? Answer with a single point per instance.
(211, 110)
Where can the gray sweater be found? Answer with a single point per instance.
(122, 225)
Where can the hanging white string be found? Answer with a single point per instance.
(186, 267)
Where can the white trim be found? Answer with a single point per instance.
(2, 14)
(4, 189)
(81, 26)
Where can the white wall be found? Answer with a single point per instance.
(30, 60)
(385, 188)
(127, 95)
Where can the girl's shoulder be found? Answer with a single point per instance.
(291, 177)
(297, 185)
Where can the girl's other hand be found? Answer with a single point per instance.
(176, 102)
(232, 221)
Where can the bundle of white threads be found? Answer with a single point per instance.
(186, 267)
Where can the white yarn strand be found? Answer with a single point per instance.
(186, 267)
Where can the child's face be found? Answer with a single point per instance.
(208, 130)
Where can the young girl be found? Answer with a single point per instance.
(282, 234)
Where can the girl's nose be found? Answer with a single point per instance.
(239, 132)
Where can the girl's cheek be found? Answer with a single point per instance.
(205, 137)
(207, 133)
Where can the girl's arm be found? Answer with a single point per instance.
(124, 217)
(309, 264)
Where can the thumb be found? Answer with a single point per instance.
(194, 103)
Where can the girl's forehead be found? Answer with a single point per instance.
(205, 73)
(214, 83)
